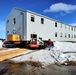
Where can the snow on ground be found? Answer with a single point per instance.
(65, 46)
(42, 56)
(46, 57)
(55, 55)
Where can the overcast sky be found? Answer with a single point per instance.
(62, 10)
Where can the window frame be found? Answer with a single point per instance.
(7, 21)
(42, 20)
(14, 20)
(55, 24)
(61, 35)
(68, 35)
(65, 35)
(56, 34)
(32, 18)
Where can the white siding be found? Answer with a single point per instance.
(19, 27)
(48, 29)
(24, 27)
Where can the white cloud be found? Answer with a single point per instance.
(61, 7)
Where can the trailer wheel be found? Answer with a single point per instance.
(9, 46)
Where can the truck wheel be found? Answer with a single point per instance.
(9, 46)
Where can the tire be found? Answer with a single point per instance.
(9, 46)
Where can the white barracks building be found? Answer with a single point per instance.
(25, 23)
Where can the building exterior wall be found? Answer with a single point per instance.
(48, 29)
(17, 27)
(25, 27)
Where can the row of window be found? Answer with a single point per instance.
(42, 22)
(69, 27)
(14, 21)
(33, 19)
(66, 35)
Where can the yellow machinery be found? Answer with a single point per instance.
(13, 40)
(13, 37)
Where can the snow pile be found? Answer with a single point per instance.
(65, 46)
(46, 57)
(60, 57)
(42, 56)
(1, 43)
(64, 51)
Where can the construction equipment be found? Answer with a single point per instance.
(13, 40)
(36, 42)
(13, 37)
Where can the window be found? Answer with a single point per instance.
(55, 34)
(33, 35)
(72, 35)
(7, 21)
(14, 32)
(69, 27)
(75, 36)
(42, 21)
(55, 24)
(68, 35)
(72, 28)
(14, 20)
(65, 26)
(60, 34)
(7, 32)
(61, 25)
(32, 18)
(65, 35)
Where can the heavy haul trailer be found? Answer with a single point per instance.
(13, 40)
(21, 24)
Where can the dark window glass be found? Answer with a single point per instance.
(42, 21)
(72, 28)
(69, 35)
(61, 35)
(56, 34)
(69, 27)
(72, 35)
(7, 21)
(61, 25)
(32, 18)
(14, 20)
(33, 35)
(75, 36)
(65, 35)
(55, 24)
(7, 32)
